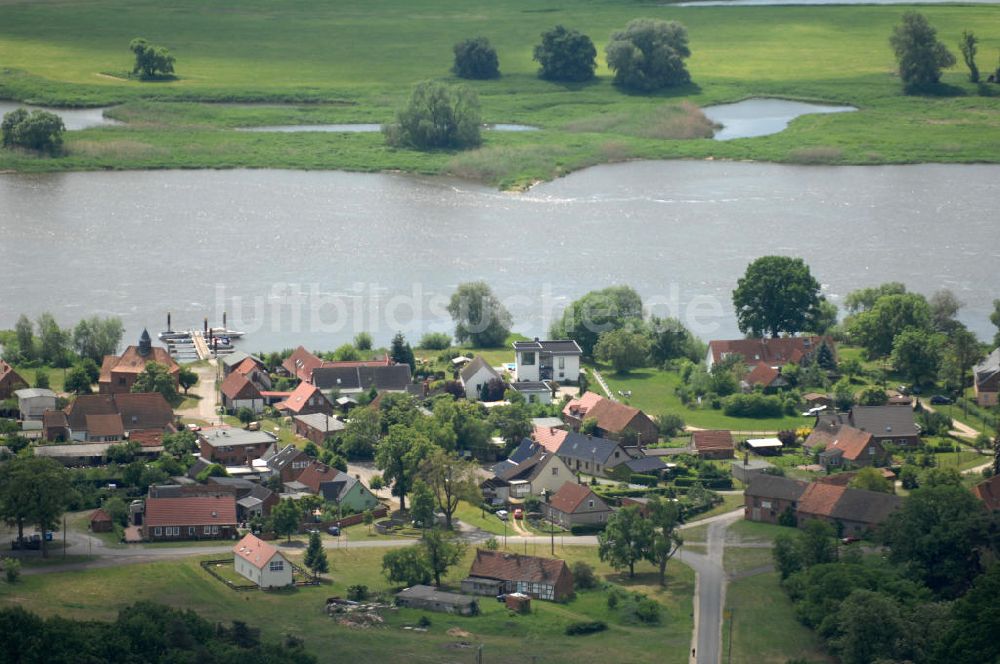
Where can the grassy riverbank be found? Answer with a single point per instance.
(356, 61)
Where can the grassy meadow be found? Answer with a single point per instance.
(354, 61)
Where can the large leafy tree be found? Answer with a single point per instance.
(451, 480)
(670, 340)
(863, 299)
(399, 456)
(156, 378)
(480, 318)
(407, 566)
(649, 54)
(54, 342)
(38, 130)
(437, 117)
(36, 491)
(916, 354)
(624, 349)
(441, 551)
(476, 59)
(876, 328)
(625, 540)
(513, 422)
(96, 337)
(596, 312)
(422, 504)
(995, 319)
(361, 434)
(666, 540)
(565, 55)
(151, 60)
(285, 518)
(921, 56)
(777, 294)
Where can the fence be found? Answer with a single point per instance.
(210, 565)
(343, 522)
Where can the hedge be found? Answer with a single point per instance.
(579, 628)
(715, 483)
(587, 529)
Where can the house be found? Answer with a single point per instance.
(255, 372)
(887, 424)
(119, 372)
(987, 379)
(534, 391)
(300, 364)
(287, 463)
(764, 376)
(644, 465)
(614, 419)
(430, 598)
(765, 446)
(32, 402)
(576, 505)
(547, 360)
(498, 572)
(10, 381)
(591, 454)
(317, 427)
(850, 511)
(358, 377)
(817, 400)
(768, 497)
(261, 562)
(772, 352)
(90, 417)
(988, 491)
(845, 447)
(336, 487)
(231, 446)
(712, 444)
(238, 392)
(83, 454)
(549, 437)
(475, 375)
(101, 522)
(55, 426)
(193, 517)
(745, 469)
(531, 470)
(252, 499)
(306, 399)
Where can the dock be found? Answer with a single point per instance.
(201, 345)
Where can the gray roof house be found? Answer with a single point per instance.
(987, 383)
(475, 375)
(886, 424)
(353, 380)
(591, 454)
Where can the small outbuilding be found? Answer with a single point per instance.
(100, 522)
(430, 598)
(262, 563)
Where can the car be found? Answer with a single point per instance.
(518, 513)
(502, 515)
(193, 427)
(849, 539)
(334, 530)
(940, 400)
(312, 531)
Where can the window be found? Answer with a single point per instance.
(528, 359)
(190, 530)
(215, 530)
(208, 530)
(766, 504)
(276, 565)
(158, 531)
(555, 470)
(562, 362)
(871, 451)
(590, 503)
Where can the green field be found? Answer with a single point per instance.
(355, 61)
(98, 594)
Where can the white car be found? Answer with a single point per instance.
(502, 515)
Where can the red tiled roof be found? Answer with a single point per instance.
(989, 492)
(775, 352)
(105, 425)
(579, 406)
(515, 567)
(316, 474)
(705, 441)
(99, 515)
(255, 551)
(147, 438)
(852, 442)
(549, 438)
(820, 499)
(384, 362)
(236, 386)
(301, 363)
(299, 397)
(247, 366)
(610, 415)
(570, 496)
(192, 511)
(762, 374)
(131, 361)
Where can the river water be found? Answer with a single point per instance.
(314, 257)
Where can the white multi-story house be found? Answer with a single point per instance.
(548, 360)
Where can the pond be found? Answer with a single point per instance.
(313, 257)
(761, 117)
(73, 118)
(367, 128)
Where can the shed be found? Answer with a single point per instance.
(432, 599)
(518, 602)
(100, 521)
(765, 445)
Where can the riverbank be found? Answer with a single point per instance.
(318, 65)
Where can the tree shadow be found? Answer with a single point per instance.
(672, 92)
(936, 90)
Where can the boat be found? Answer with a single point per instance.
(224, 332)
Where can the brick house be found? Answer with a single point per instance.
(10, 381)
(90, 417)
(230, 446)
(712, 444)
(306, 399)
(119, 372)
(850, 511)
(845, 447)
(767, 497)
(498, 573)
(576, 505)
(614, 419)
(988, 491)
(189, 518)
(316, 427)
(987, 379)
(886, 424)
(772, 352)
(239, 392)
(287, 463)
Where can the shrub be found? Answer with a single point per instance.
(476, 59)
(649, 54)
(581, 628)
(644, 480)
(151, 61)
(670, 424)
(587, 529)
(754, 405)
(12, 569)
(436, 117)
(565, 55)
(424, 622)
(357, 593)
(38, 130)
(583, 575)
(435, 341)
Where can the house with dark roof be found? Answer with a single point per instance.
(592, 455)
(531, 470)
(534, 391)
(475, 375)
(576, 505)
(252, 499)
(287, 463)
(850, 511)
(119, 372)
(239, 392)
(10, 381)
(987, 379)
(614, 419)
(712, 444)
(768, 497)
(261, 563)
(886, 424)
(498, 573)
(357, 378)
(843, 446)
(988, 491)
(189, 518)
(557, 360)
(98, 417)
(644, 465)
(232, 446)
(772, 352)
(336, 487)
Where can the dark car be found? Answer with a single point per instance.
(334, 530)
(940, 400)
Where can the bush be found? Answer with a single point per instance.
(151, 61)
(649, 55)
(565, 55)
(670, 424)
(357, 593)
(754, 405)
(476, 59)
(424, 622)
(587, 529)
(12, 570)
(581, 628)
(644, 480)
(435, 341)
(583, 575)
(38, 130)
(436, 117)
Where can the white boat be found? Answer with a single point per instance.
(223, 332)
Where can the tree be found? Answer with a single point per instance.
(787, 556)
(865, 298)
(245, 416)
(666, 540)
(77, 381)
(436, 117)
(596, 312)
(41, 379)
(670, 340)
(435, 341)
(155, 378)
(513, 422)
(961, 353)
(565, 55)
(12, 570)
(777, 294)
(920, 55)
(363, 341)
(623, 349)
(480, 318)
(361, 434)
(871, 627)
(315, 557)
(407, 566)
(994, 318)
(441, 551)
(649, 55)
(476, 59)
(451, 480)
(971, 638)
(187, 379)
(823, 318)
(53, 341)
(422, 504)
(368, 518)
(877, 327)
(180, 443)
(285, 518)
(213, 470)
(817, 543)
(34, 490)
(944, 306)
(917, 355)
(870, 479)
(96, 337)
(38, 130)
(625, 540)
(151, 60)
(400, 351)
(399, 455)
(346, 353)
(24, 332)
(873, 396)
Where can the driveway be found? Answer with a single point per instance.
(208, 405)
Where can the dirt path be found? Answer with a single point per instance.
(957, 428)
(208, 405)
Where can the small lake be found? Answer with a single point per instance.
(761, 117)
(362, 128)
(73, 118)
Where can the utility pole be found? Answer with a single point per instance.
(64, 536)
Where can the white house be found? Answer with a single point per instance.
(474, 375)
(239, 392)
(548, 360)
(533, 391)
(262, 563)
(34, 401)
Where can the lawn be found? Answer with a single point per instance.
(99, 594)
(763, 625)
(57, 377)
(356, 60)
(730, 502)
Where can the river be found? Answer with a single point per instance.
(314, 257)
